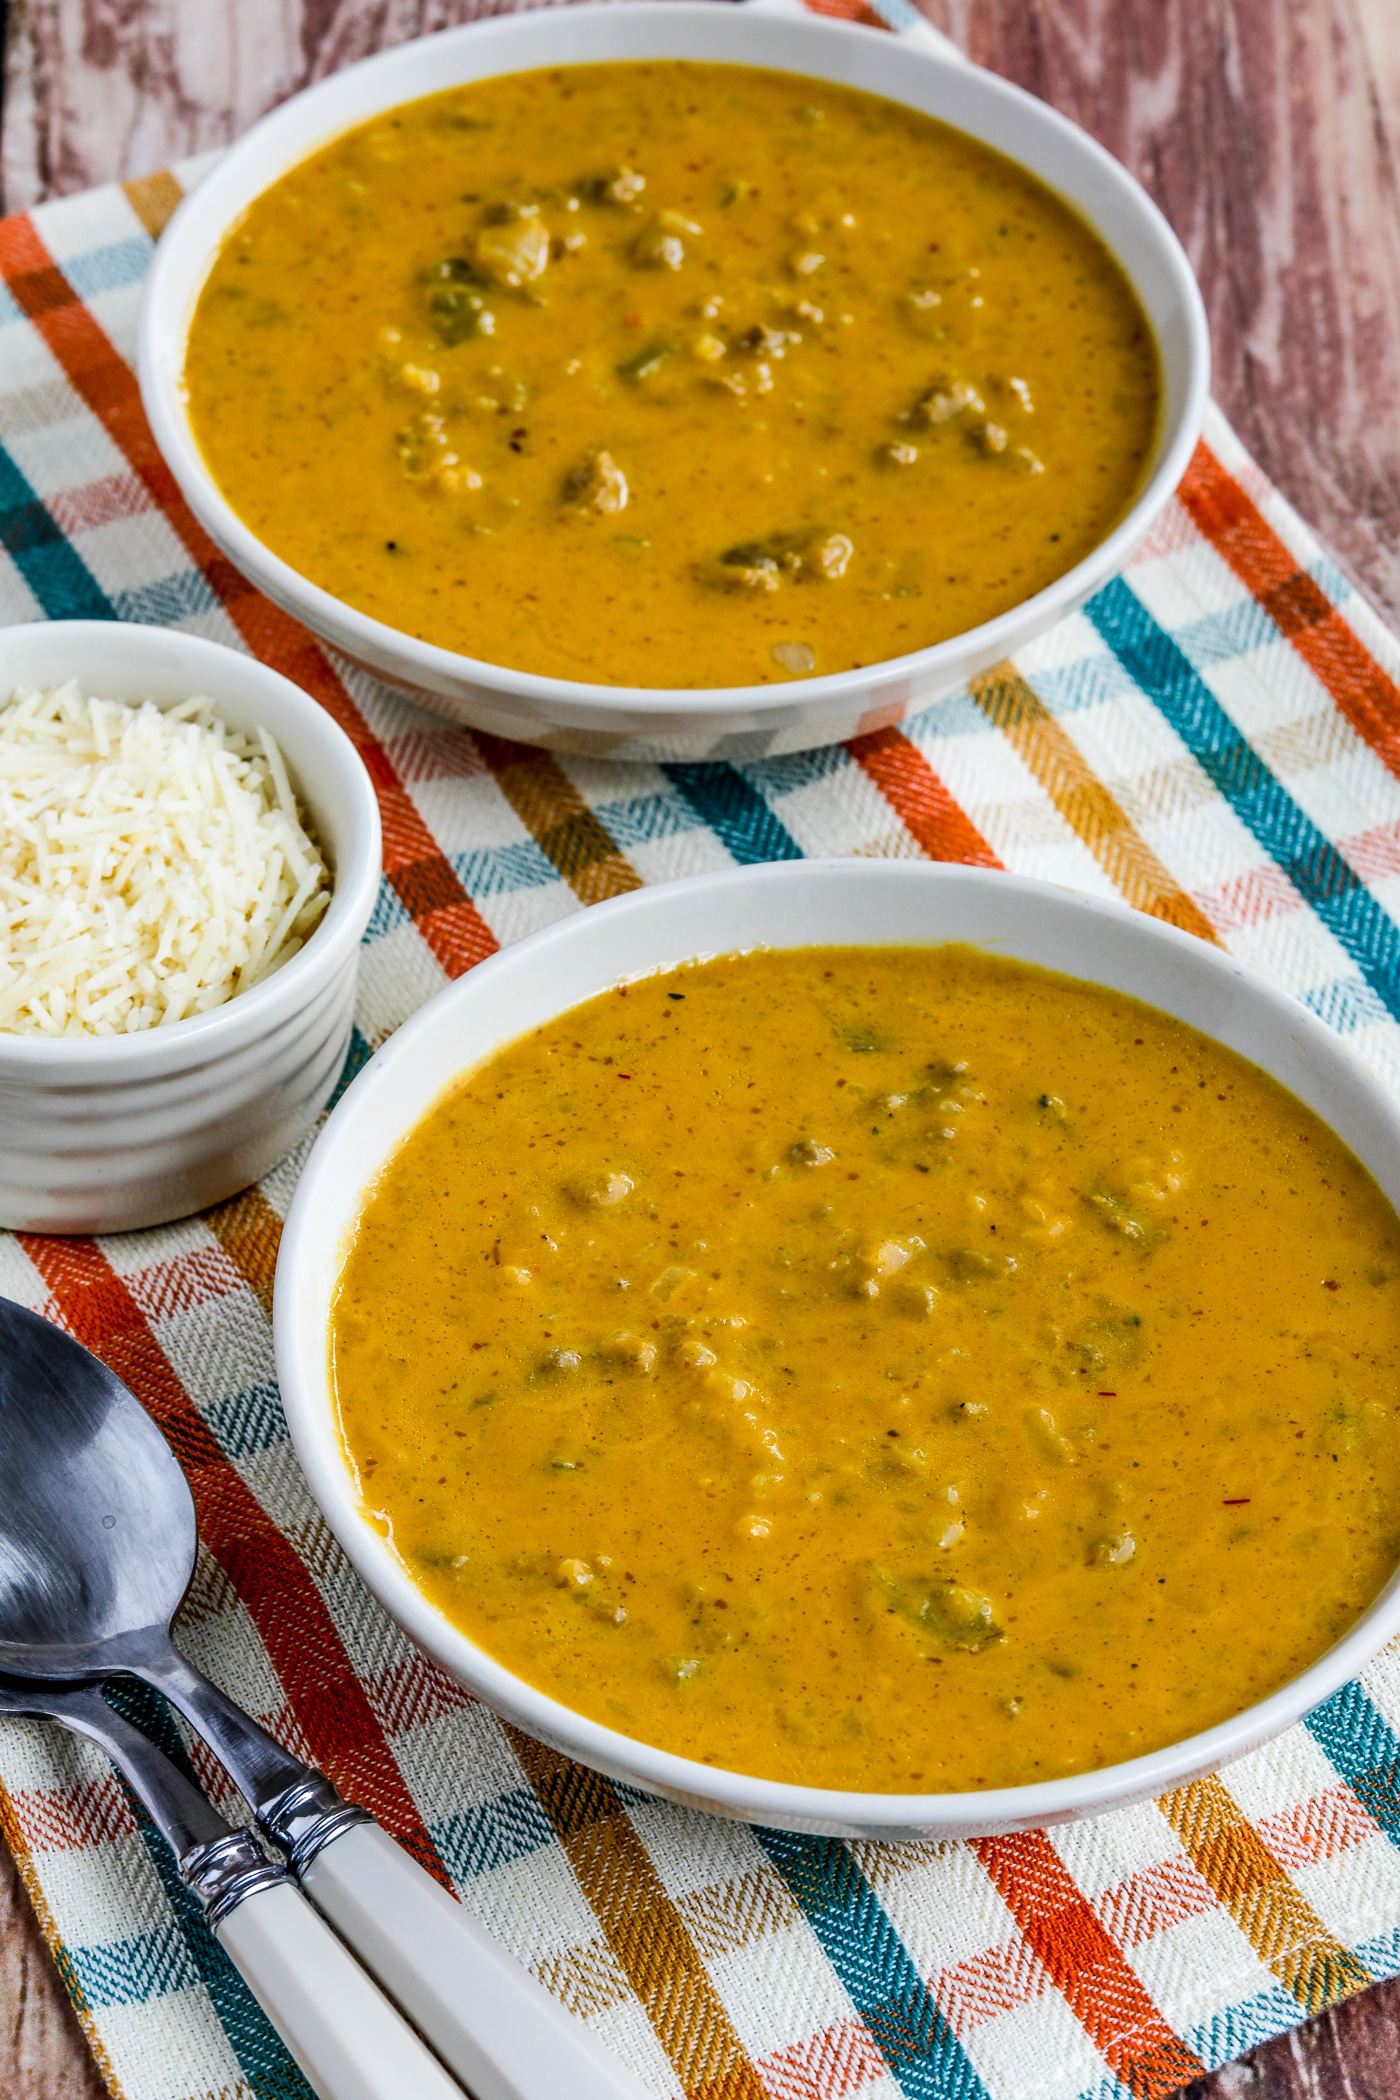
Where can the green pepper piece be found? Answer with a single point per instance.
(635, 369)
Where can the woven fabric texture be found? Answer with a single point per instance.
(1216, 739)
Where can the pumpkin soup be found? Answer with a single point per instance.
(671, 374)
(898, 1369)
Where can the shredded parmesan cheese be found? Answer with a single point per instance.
(152, 863)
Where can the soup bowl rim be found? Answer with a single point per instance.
(311, 118)
(389, 1098)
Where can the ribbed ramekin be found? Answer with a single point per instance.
(106, 1133)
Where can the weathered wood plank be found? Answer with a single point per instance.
(1350, 2053)
(104, 89)
(43, 2054)
(1269, 132)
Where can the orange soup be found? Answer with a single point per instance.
(671, 375)
(898, 1369)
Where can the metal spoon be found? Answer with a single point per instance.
(97, 1548)
(347, 2038)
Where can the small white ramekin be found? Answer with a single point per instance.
(107, 1133)
(662, 723)
(791, 905)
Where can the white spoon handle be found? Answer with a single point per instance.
(502, 2033)
(345, 2036)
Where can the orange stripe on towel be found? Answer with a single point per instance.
(919, 799)
(1090, 809)
(1300, 608)
(1271, 1911)
(1100, 1987)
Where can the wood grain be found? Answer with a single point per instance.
(43, 2052)
(97, 89)
(1350, 2053)
(1269, 133)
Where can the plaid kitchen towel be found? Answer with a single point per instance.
(1216, 739)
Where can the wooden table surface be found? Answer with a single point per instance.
(1268, 131)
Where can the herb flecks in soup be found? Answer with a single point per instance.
(671, 374)
(895, 1369)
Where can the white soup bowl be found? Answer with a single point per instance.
(788, 905)
(664, 723)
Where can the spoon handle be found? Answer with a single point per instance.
(350, 2042)
(499, 2030)
(347, 2038)
(504, 2034)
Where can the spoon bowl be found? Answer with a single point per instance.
(98, 1538)
(97, 1546)
(97, 1523)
